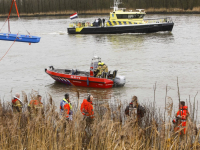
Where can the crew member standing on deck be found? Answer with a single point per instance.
(99, 22)
(98, 71)
(16, 104)
(104, 67)
(103, 21)
(96, 22)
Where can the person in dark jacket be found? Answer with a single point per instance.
(96, 22)
(99, 22)
(103, 21)
(140, 110)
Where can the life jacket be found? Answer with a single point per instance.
(87, 108)
(35, 103)
(183, 112)
(14, 101)
(65, 107)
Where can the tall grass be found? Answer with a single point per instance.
(111, 129)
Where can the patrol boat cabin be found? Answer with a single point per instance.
(122, 21)
(122, 17)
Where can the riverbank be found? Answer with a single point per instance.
(109, 130)
(195, 10)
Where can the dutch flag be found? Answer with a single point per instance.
(75, 15)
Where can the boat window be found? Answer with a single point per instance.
(129, 16)
(141, 16)
(125, 16)
(95, 65)
(122, 16)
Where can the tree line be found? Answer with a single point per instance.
(91, 6)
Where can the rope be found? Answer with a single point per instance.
(3, 24)
(14, 1)
(8, 49)
(23, 25)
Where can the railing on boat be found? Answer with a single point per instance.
(80, 24)
(159, 20)
(114, 23)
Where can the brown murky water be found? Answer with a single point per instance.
(143, 58)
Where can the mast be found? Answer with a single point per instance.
(13, 1)
(116, 3)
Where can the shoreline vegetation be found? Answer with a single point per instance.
(111, 129)
(195, 10)
(91, 7)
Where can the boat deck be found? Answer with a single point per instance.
(72, 72)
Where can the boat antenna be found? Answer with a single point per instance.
(116, 3)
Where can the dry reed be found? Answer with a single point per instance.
(48, 131)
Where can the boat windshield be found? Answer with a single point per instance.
(129, 16)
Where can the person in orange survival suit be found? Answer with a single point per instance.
(66, 107)
(181, 118)
(87, 107)
(36, 103)
(36, 106)
(88, 113)
(16, 104)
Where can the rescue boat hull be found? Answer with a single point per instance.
(19, 38)
(139, 28)
(80, 80)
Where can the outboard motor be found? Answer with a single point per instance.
(115, 73)
(119, 81)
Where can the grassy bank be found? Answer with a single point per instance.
(111, 129)
(195, 10)
(52, 7)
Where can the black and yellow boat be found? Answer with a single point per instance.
(122, 21)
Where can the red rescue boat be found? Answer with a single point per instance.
(87, 79)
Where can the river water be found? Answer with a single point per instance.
(144, 59)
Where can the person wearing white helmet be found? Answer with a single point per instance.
(16, 103)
